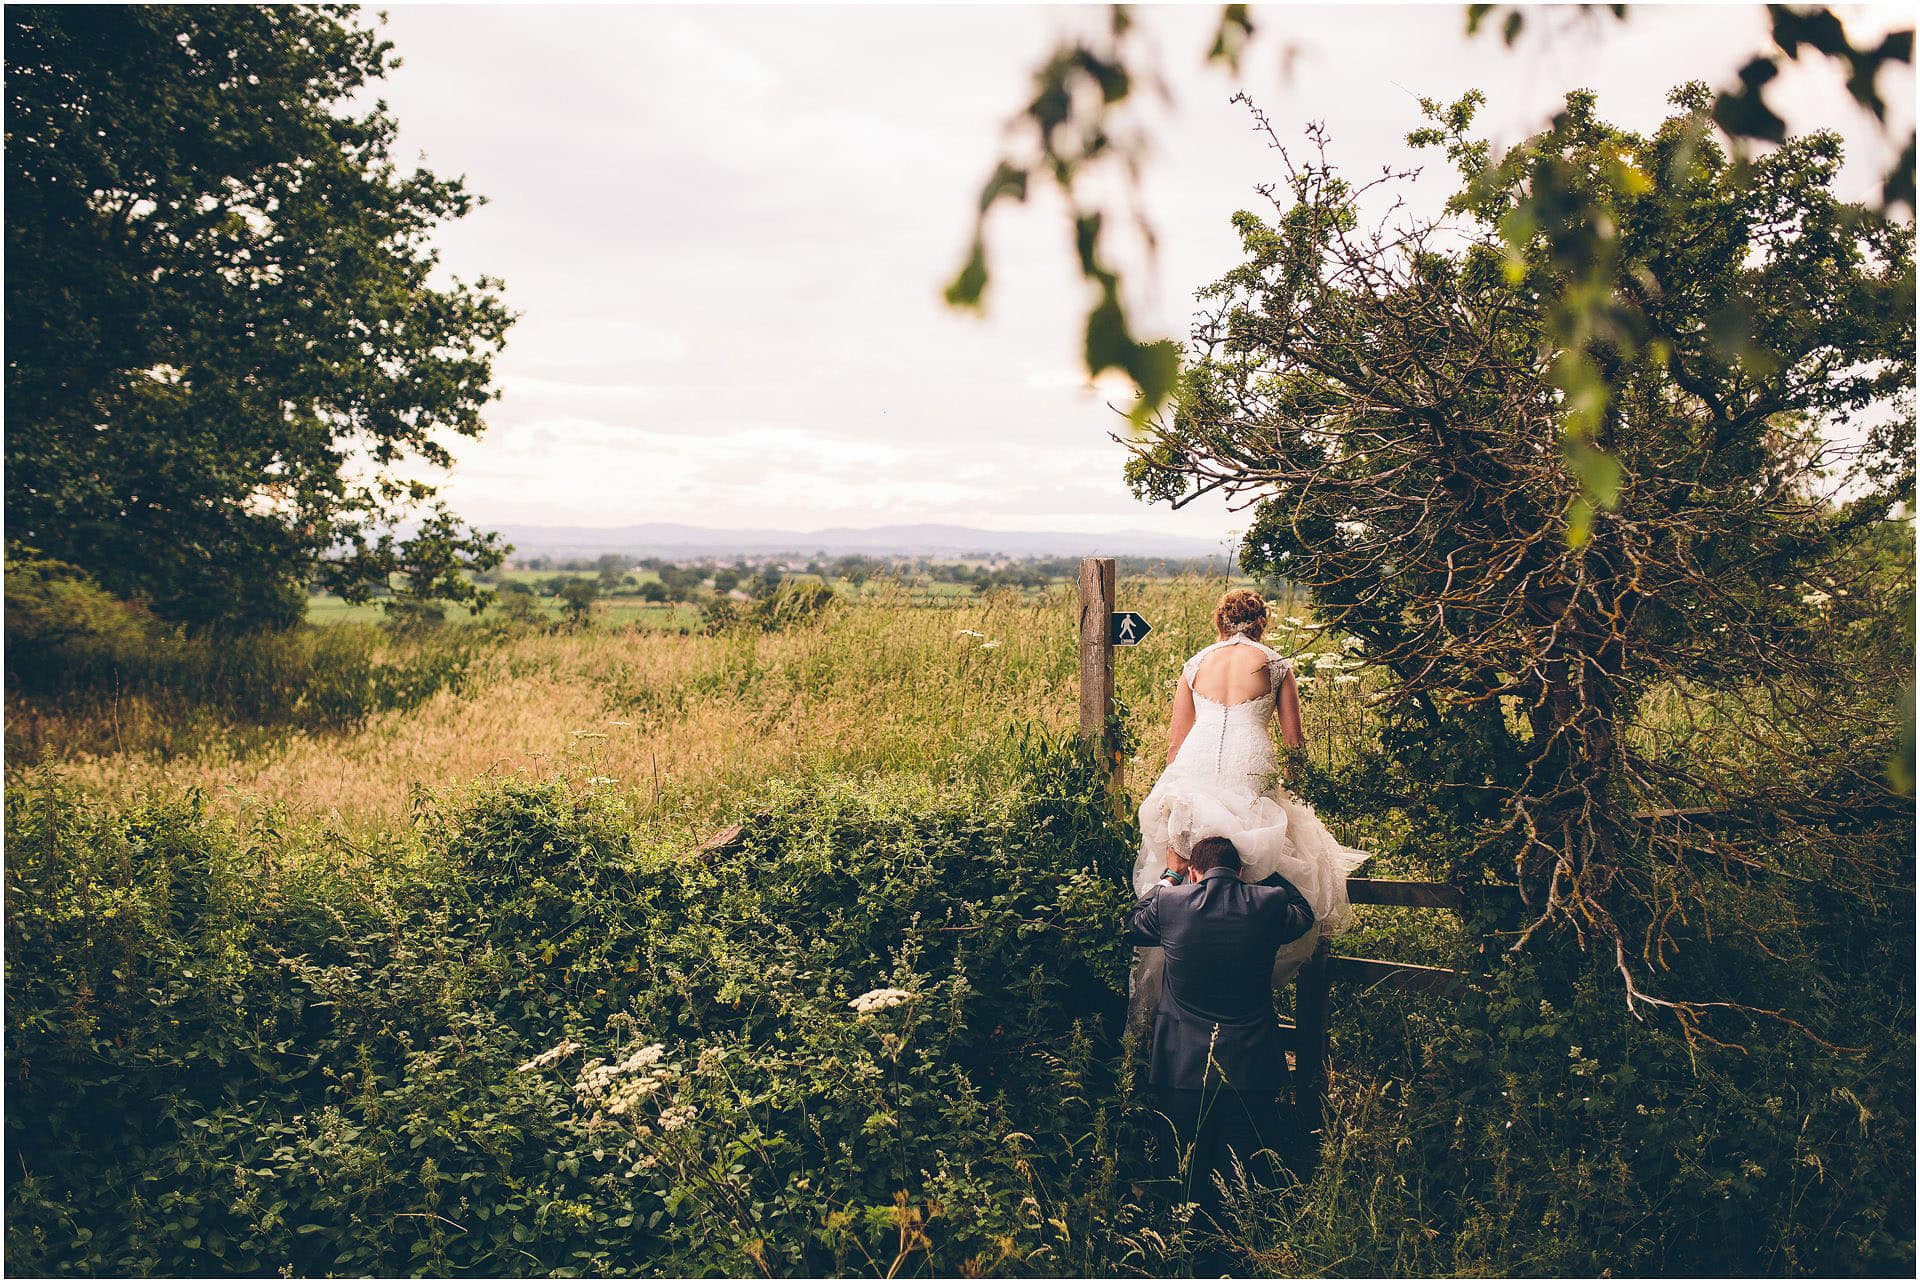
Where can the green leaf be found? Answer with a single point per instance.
(966, 289)
(1743, 113)
(1008, 180)
(1109, 344)
(1599, 473)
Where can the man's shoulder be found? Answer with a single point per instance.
(1173, 898)
(1273, 892)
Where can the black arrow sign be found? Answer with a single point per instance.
(1125, 628)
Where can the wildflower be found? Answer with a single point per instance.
(1353, 645)
(710, 1058)
(1816, 598)
(601, 779)
(620, 1088)
(968, 632)
(612, 722)
(988, 645)
(651, 1054)
(879, 1000)
(674, 1117)
(552, 1055)
(1296, 621)
(588, 735)
(1344, 678)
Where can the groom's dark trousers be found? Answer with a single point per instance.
(1217, 1067)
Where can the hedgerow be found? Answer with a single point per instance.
(881, 1034)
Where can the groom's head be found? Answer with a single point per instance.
(1214, 853)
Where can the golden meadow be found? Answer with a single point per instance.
(680, 726)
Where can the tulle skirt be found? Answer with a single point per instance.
(1274, 831)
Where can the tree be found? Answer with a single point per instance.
(223, 348)
(576, 600)
(1386, 397)
(610, 567)
(681, 584)
(725, 581)
(520, 604)
(1078, 125)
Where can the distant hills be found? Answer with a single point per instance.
(660, 539)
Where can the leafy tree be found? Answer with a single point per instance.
(610, 567)
(653, 590)
(225, 360)
(681, 584)
(725, 581)
(519, 603)
(1078, 126)
(576, 600)
(1388, 395)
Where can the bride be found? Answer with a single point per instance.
(1219, 783)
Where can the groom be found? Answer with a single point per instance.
(1217, 1065)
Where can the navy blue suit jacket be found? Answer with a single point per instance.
(1215, 1026)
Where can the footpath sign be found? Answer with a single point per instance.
(1127, 628)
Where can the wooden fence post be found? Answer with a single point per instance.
(1096, 661)
(1310, 1046)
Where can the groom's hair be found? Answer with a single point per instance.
(1214, 853)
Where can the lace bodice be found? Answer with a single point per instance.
(1230, 742)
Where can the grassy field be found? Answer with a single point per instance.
(619, 612)
(884, 685)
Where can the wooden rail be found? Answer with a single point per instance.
(1313, 989)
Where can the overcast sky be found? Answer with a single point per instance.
(726, 231)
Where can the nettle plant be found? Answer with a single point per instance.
(1593, 549)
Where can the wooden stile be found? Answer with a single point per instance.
(1411, 977)
(1406, 893)
(1416, 895)
(1312, 998)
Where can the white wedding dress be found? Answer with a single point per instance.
(1221, 784)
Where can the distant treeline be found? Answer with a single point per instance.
(986, 571)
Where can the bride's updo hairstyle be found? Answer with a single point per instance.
(1241, 611)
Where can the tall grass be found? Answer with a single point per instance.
(157, 693)
(681, 726)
